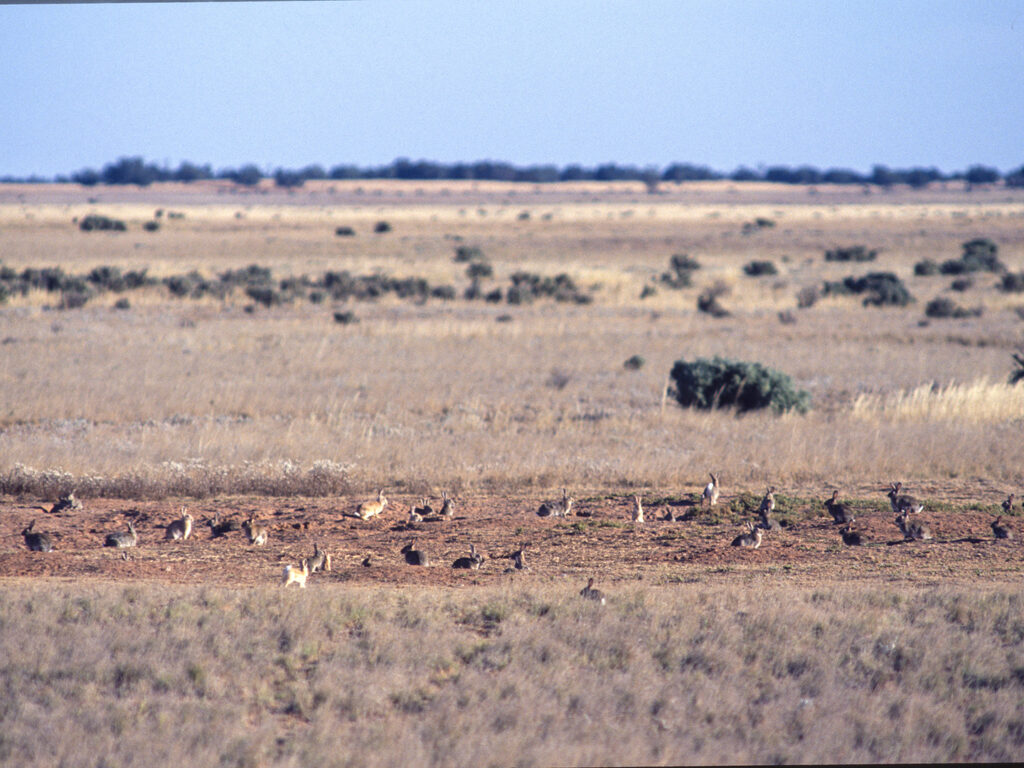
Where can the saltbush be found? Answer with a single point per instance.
(96, 222)
(722, 383)
(1013, 282)
(979, 255)
(760, 268)
(680, 274)
(883, 289)
(853, 253)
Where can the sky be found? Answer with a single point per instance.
(722, 83)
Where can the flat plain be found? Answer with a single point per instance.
(294, 408)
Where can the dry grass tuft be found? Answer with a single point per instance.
(980, 402)
(530, 675)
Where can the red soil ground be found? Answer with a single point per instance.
(596, 539)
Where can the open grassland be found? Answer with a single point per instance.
(804, 650)
(203, 395)
(521, 674)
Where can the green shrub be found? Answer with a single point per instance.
(681, 269)
(345, 318)
(723, 383)
(945, 308)
(853, 253)
(381, 227)
(760, 268)
(478, 269)
(883, 289)
(97, 222)
(1013, 282)
(122, 304)
(344, 232)
(468, 253)
(979, 255)
(926, 268)
(961, 284)
(708, 300)
(151, 226)
(634, 363)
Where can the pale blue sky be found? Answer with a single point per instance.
(722, 83)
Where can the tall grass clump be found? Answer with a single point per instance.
(978, 402)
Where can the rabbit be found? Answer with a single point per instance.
(851, 538)
(220, 528)
(180, 529)
(901, 502)
(257, 533)
(122, 539)
(518, 559)
(37, 542)
(473, 562)
(840, 512)
(370, 509)
(556, 508)
(589, 593)
(710, 495)
(320, 561)
(1007, 505)
(447, 509)
(424, 509)
(912, 530)
(638, 512)
(1000, 529)
(415, 556)
(65, 503)
(415, 516)
(293, 575)
(751, 539)
(768, 502)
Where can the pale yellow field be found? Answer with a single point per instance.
(442, 395)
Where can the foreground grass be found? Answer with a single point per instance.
(517, 675)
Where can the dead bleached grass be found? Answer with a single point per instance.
(525, 674)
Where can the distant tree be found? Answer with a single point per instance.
(190, 172)
(130, 170)
(248, 175)
(286, 178)
(1015, 178)
(87, 177)
(744, 174)
(980, 174)
(883, 177)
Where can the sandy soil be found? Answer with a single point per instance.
(596, 539)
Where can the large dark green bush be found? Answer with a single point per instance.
(882, 289)
(723, 383)
(979, 255)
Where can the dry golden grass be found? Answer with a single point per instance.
(194, 395)
(524, 674)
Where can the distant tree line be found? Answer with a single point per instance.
(135, 170)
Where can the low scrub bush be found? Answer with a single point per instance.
(926, 268)
(634, 363)
(95, 222)
(882, 289)
(467, 253)
(979, 255)
(344, 232)
(708, 300)
(680, 272)
(852, 253)
(723, 383)
(1012, 282)
(760, 268)
(381, 227)
(946, 308)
